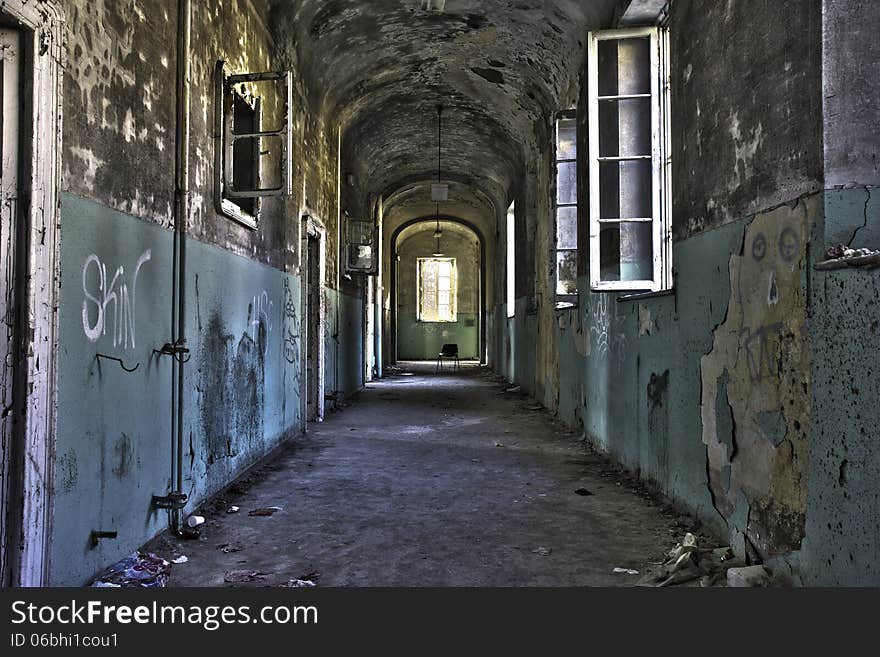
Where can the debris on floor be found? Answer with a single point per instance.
(227, 548)
(583, 492)
(190, 533)
(542, 551)
(513, 389)
(265, 511)
(144, 570)
(298, 584)
(841, 256)
(233, 509)
(625, 571)
(687, 562)
(499, 444)
(181, 559)
(244, 576)
(748, 577)
(195, 521)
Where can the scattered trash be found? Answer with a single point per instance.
(189, 533)
(748, 576)
(627, 571)
(195, 521)
(243, 576)
(265, 511)
(841, 256)
(513, 389)
(534, 407)
(233, 509)
(135, 570)
(542, 551)
(686, 562)
(583, 492)
(499, 444)
(299, 584)
(227, 548)
(181, 559)
(105, 585)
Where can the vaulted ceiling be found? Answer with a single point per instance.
(499, 68)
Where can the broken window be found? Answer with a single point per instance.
(437, 289)
(565, 208)
(630, 238)
(251, 163)
(362, 236)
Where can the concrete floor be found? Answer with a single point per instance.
(431, 480)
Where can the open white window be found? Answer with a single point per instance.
(566, 208)
(511, 260)
(437, 290)
(630, 208)
(250, 162)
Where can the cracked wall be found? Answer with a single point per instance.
(755, 384)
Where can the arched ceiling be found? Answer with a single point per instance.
(498, 67)
(447, 228)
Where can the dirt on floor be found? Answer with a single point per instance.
(431, 479)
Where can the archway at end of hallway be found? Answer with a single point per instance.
(417, 333)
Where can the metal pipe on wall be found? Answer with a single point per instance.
(181, 215)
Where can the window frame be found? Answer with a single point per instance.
(564, 300)
(453, 290)
(225, 95)
(510, 271)
(661, 170)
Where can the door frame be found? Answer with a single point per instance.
(312, 228)
(32, 461)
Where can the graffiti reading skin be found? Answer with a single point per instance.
(123, 298)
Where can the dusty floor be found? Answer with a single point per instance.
(431, 480)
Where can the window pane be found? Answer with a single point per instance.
(625, 190)
(566, 182)
(625, 127)
(624, 66)
(566, 272)
(437, 290)
(566, 228)
(566, 139)
(625, 252)
(360, 256)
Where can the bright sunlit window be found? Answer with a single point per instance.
(436, 290)
(511, 260)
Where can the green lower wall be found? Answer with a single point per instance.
(113, 449)
(749, 396)
(423, 340)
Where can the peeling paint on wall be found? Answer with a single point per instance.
(760, 361)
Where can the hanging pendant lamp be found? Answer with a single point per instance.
(437, 232)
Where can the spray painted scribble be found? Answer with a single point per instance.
(99, 294)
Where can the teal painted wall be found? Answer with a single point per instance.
(749, 396)
(842, 543)
(113, 434)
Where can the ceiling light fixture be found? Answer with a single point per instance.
(437, 232)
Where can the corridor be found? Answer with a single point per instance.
(430, 480)
(245, 230)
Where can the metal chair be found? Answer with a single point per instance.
(449, 350)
